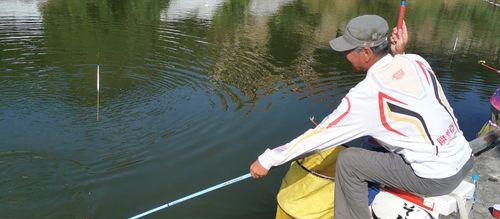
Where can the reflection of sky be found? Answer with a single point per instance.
(182, 9)
(267, 7)
(206, 9)
(20, 8)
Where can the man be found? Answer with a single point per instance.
(401, 104)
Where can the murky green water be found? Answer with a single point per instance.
(191, 93)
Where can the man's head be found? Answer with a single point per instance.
(364, 41)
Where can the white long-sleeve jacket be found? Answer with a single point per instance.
(401, 104)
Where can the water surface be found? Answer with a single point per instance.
(191, 93)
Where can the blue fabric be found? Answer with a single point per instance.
(373, 190)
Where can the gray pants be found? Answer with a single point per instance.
(357, 166)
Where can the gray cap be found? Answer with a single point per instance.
(362, 31)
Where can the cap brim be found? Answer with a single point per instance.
(339, 44)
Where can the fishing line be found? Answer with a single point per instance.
(97, 81)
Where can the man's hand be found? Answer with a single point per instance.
(257, 170)
(399, 39)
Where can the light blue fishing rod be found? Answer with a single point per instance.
(229, 182)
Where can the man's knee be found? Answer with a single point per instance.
(347, 157)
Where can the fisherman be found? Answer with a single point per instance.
(402, 106)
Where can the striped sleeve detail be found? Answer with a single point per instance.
(337, 120)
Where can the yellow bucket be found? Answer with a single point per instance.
(307, 195)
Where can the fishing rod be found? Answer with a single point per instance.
(398, 43)
(218, 186)
(483, 63)
(402, 9)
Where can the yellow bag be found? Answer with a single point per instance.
(305, 195)
(485, 129)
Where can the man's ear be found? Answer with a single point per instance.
(367, 54)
